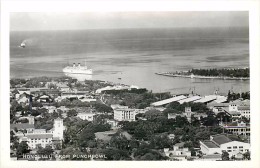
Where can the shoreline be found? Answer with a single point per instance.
(169, 74)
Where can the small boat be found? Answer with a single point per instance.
(22, 45)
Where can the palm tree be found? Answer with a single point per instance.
(225, 155)
(246, 156)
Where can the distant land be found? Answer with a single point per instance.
(236, 74)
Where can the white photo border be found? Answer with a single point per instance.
(109, 6)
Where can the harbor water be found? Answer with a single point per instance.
(133, 56)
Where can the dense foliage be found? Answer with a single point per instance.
(234, 96)
(176, 107)
(221, 72)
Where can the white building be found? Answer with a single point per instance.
(179, 152)
(23, 100)
(238, 128)
(86, 116)
(124, 114)
(33, 140)
(244, 111)
(63, 87)
(58, 128)
(219, 143)
(51, 109)
(43, 138)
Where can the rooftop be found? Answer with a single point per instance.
(181, 144)
(220, 139)
(190, 99)
(210, 144)
(167, 101)
(206, 99)
(243, 108)
(39, 136)
(105, 136)
(21, 126)
(213, 156)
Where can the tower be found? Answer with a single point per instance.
(188, 113)
(31, 120)
(58, 128)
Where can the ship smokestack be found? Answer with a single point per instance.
(78, 64)
(74, 64)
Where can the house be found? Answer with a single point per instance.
(171, 136)
(58, 99)
(23, 98)
(51, 109)
(217, 110)
(63, 87)
(50, 92)
(44, 98)
(178, 153)
(219, 143)
(24, 90)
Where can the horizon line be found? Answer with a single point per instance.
(131, 28)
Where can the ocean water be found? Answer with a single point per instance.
(132, 56)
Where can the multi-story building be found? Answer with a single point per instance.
(41, 137)
(219, 143)
(244, 111)
(124, 114)
(58, 129)
(33, 140)
(238, 128)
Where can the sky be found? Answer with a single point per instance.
(111, 20)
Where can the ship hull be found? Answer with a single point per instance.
(77, 71)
